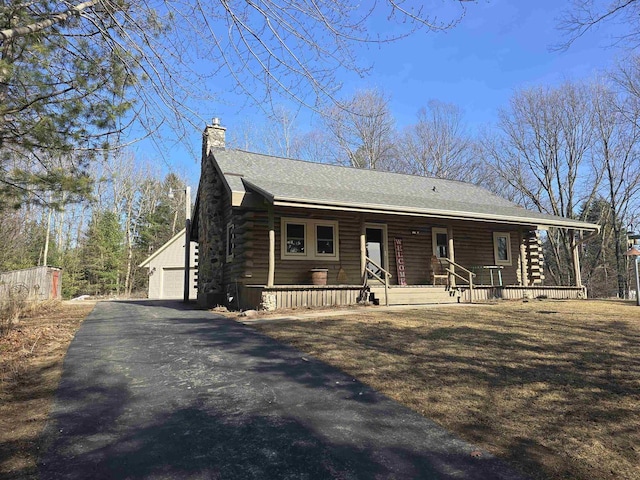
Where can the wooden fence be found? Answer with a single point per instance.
(36, 284)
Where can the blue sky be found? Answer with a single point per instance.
(499, 47)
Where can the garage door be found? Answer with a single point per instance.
(173, 283)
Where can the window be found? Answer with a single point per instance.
(231, 240)
(309, 239)
(502, 248)
(440, 241)
(295, 238)
(325, 240)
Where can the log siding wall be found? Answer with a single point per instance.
(473, 246)
(297, 271)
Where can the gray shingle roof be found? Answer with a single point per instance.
(284, 181)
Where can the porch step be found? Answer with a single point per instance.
(415, 295)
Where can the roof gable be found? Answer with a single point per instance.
(178, 236)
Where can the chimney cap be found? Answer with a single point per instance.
(215, 122)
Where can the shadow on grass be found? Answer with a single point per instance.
(557, 397)
(188, 395)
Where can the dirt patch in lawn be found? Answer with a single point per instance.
(551, 386)
(31, 357)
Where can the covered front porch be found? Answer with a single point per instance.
(394, 259)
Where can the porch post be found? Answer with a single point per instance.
(452, 257)
(524, 280)
(272, 247)
(576, 258)
(363, 251)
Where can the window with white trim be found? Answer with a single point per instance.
(304, 239)
(502, 248)
(231, 241)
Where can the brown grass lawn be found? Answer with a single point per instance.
(31, 357)
(551, 386)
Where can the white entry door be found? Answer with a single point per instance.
(440, 240)
(376, 250)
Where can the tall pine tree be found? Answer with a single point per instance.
(62, 96)
(102, 254)
(167, 218)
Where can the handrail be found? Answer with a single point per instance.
(448, 270)
(376, 265)
(375, 275)
(458, 266)
(454, 273)
(385, 281)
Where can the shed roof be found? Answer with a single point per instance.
(288, 182)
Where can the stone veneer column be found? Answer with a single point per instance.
(212, 235)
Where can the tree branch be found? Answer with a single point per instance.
(10, 33)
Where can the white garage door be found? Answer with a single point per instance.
(173, 283)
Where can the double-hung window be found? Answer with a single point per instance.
(296, 238)
(309, 239)
(325, 240)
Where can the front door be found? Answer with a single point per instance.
(440, 242)
(375, 241)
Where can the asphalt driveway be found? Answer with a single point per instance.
(156, 391)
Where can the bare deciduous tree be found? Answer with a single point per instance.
(543, 150)
(617, 146)
(74, 75)
(363, 131)
(582, 16)
(438, 145)
(277, 135)
(314, 146)
(166, 52)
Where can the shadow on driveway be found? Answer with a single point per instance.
(164, 391)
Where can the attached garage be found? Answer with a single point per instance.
(166, 270)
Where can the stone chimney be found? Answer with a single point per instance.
(213, 137)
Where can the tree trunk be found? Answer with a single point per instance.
(47, 236)
(10, 33)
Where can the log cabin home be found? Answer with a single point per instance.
(280, 233)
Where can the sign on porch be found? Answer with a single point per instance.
(402, 279)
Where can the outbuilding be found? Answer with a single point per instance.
(166, 270)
